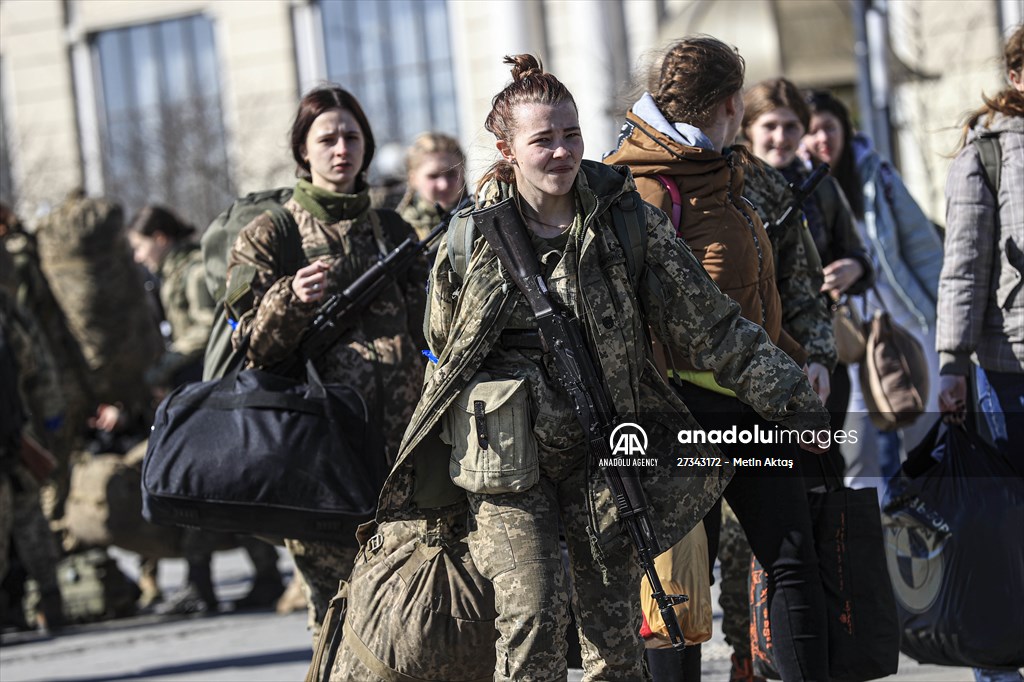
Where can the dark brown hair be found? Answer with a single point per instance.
(696, 74)
(844, 169)
(316, 102)
(154, 218)
(772, 94)
(1009, 101)
(530, 85)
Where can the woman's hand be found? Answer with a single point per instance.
(309, 282)
(840, 275)
(953, 398)
(109, 418)
(821, 383)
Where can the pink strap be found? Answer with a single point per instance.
(677, 200)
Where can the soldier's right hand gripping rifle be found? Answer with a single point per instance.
(338, 313)
(800, 195)
(560, 336)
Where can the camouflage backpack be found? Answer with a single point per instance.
(88, 263)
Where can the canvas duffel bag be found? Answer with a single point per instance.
(258, 453)
(414, 608)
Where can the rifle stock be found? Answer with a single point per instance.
(503, 227)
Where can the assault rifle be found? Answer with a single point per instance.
(560, 336)
(800, 195)
(337, 314)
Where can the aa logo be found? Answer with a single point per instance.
(916, 567)
(628, 440)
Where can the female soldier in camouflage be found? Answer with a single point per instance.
(479, 328)
(436, 167)
(333, 145)
(163, 243)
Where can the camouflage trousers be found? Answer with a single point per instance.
(25, 527)
(322, 565)
(734, 553)
(514, 541)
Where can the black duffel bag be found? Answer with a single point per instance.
(259, 453)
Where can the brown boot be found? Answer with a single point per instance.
(743, 670)
(294, 597)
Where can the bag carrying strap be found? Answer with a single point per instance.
(631, 231)
(460, 238)
(677, 200)
(991, 155)
(329, 641)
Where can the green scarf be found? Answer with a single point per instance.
(328, 206)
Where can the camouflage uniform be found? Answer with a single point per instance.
(514, 541)
(805, 313)
(807, 318)
(25, 524)
(379, 354)
(33, 293)
(187, 306)
(420, 213)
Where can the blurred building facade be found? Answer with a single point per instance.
(188, 102)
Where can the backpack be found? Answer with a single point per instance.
(92, 586)
(87, 260)
(627, 216)
(104, 506)
(216, 243)
(991, 154)
(677, 200)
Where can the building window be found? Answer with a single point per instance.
(161, 126)
(395, 57)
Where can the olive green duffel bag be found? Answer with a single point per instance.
(414, 608)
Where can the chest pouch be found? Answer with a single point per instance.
(493, 446)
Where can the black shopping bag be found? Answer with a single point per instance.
(863, 630)
(953, 518)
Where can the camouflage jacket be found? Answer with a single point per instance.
(805, 312)
(34, 293)
(379, 354)
(37, 373)
(187, 303)
(682, 304)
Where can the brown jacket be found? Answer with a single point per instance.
(720, 227)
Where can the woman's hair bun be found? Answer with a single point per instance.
(524, 66)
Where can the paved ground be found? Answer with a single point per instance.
(251, 647)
